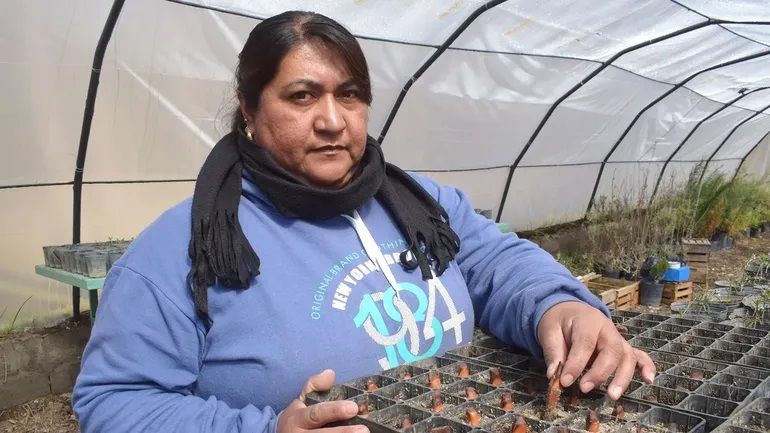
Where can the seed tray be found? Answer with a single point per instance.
(743, 339)
(401, 391)
(531, 385)
(668, 327)
(427, 401)
(461, 389)
(659, 395)
(677, 383)
(471, 351)
(750, 332)
(731, 346)
(404, 372)
(682, 348)
(431, 423)
(725, 392)
(755, 361)
(494, 399)
(490, 342)
(444, 379)
(680, 321)
(392, 418)
(486, 414)
(506, 376)
(734, 380)
(721, 355)
(434, 362)
(715, 326)
(641, 323)
(694, 340)
(505, 423)
(625, 315)
(714, 410)
(760, 351)
(502, 359)
(660, 334)
(531, 366)
(708, 333)
(463, 369)
(648, 343)
(371, 383)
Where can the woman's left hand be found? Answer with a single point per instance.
(581, 336)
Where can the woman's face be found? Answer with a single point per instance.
(311, 117)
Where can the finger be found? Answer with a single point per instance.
(623, 374)
(322, 381)
(606, 362)
(554, 348)
(583, 344)
(321, 414)
(645, 365)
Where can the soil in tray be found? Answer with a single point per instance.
(504, 424)
(531, 385)
(436, 422)
(654, 317)
(691, 372)
(665, 420)
(490, 342)
(732, 380)
(679, 321)
(606, 423)
(640, 323)
(750, 332)
(667, 357)
(725, 392)
(371, 383)
(503, 359)
(668, 327)
(429, 379)
(463, 369)
(660, 334)
(648, 343)
(676, 383)
(706, 365)
(404, 372)
(368, 403)
(633, 410)
(495, 399)
(497, 377)
(660, 395)
(755, 361)
(743, 339)
(684, 349)
(471, 351)
(485, 414)
(469, 389)
(394, 416)
(754, 420)
(715, 327)
(731, 346)
(751, 373)
(337, 392)
(428, 401)
(721, 355)
(401, 391)
(536, 409)
(695, 341)
(708, 405)
(708, 333)
(760, 351)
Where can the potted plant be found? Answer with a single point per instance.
(650, 287)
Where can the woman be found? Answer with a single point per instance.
(302, 250)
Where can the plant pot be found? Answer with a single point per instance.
(611, 273)
(718, 241)
(650, 293)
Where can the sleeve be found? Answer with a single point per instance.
(512, 282)
(141, 363)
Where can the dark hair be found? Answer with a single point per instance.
(273, 38)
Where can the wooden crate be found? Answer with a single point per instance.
(676, 292)
(619, 294)
(697, 253)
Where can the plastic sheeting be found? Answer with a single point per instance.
(166, 95)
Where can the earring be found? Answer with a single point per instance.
(247, 130)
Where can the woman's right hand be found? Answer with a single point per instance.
(298, 417)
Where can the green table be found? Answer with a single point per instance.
(91, 284)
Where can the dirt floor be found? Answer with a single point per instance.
(53, 413)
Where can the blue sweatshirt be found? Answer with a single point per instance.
(331, 294)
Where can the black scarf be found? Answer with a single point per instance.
(219, 249)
